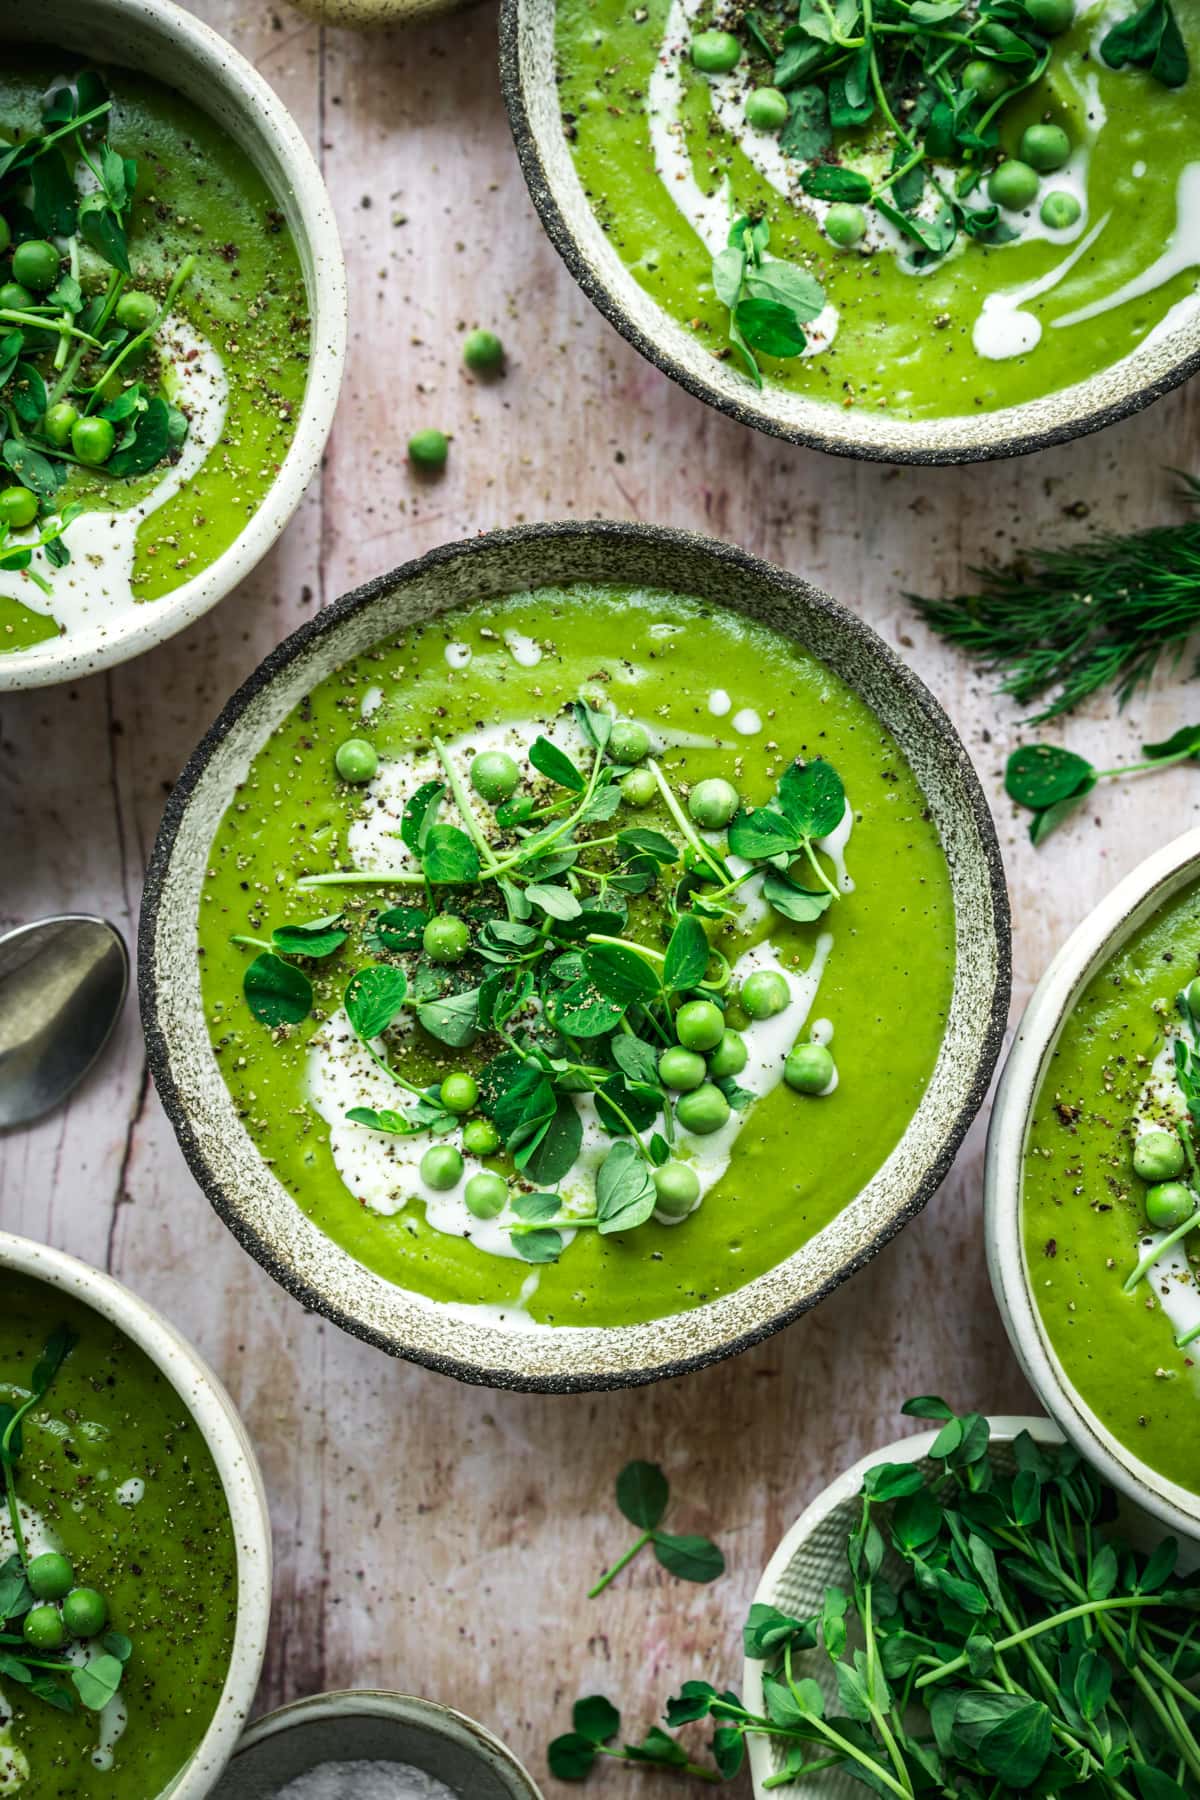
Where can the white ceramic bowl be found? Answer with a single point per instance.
(373, 1726)
(230, 1448)
(1100, 935)
(174, 47)
(810, 1558)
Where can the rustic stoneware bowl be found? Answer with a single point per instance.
(1099, 937)
(812, 1556)
(176, 48)
(369, 1726)
(223, 1156)
(528, 72)
(231, 1451)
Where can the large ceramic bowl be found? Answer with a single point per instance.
(1089, 947)
(371, 1726)
(528, 70)
(237, 1468)
(222, 1154)
(177, 49)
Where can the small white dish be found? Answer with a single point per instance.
(237, 1467)
(170, 44)
(1098, 938)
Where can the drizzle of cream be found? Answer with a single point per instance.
(459, 655)
(834, 847)
(747, 722)
(372, 700)
(522, 649)
(1172, 1278)
(131, 1492)
(1182, 252)
(719, 703)
(1003, 329)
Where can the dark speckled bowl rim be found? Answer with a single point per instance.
(559, 231)
(329, 619)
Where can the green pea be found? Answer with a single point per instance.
(1168, 1204)
(18, 507)
(35, 264)
(494, 776)
(765, 993)
(5, 234)
(43, 1628)
(445, 938)
(1192, 996)
(136, 310)
(483, 352)
(699, 1025)
(92, 441)
(638, 788)
(715, 52)
(356, 760)
(1060, 210)
(766, 109)
(1045, 148)
(702, 1111)
(428, 449)
(459, 1092)
(1013, 185)
(681, 1070)
(629, 742)
(442, 1167)
(1051, 17)
(987, 79)
(50, 1576)
(14, 297)
(808, 1069)
(1158, 1156)
(712, 803)
(845, 225)
(85, 1612)
(678, 1188)
(730, 1056)
(486, 1194)
(58, 422)
(480, 1137)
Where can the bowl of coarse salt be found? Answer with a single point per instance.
(370, 1745)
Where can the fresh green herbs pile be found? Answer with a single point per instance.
(78, 385)
(994, 1636)
(1052, 782)
(521, 938)
(643, 1493)
(42, 1610)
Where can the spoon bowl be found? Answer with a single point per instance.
(63, 982)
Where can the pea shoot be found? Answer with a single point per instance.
(643, 1495)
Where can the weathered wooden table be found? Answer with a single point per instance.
(432, 1537)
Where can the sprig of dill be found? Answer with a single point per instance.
(1068, 622)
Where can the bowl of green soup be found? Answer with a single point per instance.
(172, 328)
(932, 234)
(135, 1545)
(574, 954)
(1092, 1186)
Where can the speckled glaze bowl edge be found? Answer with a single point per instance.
(253, 1203)
(169, 42)
(817, 1518)
(529, 86)
(410, 1709)
(1101, 934)
(236, 1464)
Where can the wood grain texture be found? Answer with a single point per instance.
(432, 1537)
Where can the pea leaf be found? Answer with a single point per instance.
(550, 761)
(277, 992)
(374, 996)
(807, 134)
(1048, 818)
(400, 928)
(448, 855)
(773, 328)
(28, 394)
(97, 1681)
(767, 1629)
(33, 469)
(812, 798)
(1186, 738)
(318, 938)
(453, 1019)
(657, 1747)
(636, 1059)
(595, 726)
(829, 181)
(728, 273)
(543, 1245)
(1038, 775)
(394, 1124)
(642, 1494)
(690, 1558)
(596, 1719)
(55, 197)
(687, 955)
(789, 287)
(762, 834)
(555, 1151)
(536, 1209)
(557, 902)
(44, 1687)
(621, 973)
(151, 443)
(581, 1012)
(892, 1481)
(692, 1702)
(102, 229)
(571, 1756)
(648, 843)
(420, 812)
(625, 1193)
(1149, 39)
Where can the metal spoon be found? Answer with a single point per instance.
(62, 986)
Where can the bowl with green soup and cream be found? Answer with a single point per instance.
(573, 954)
(931, 232)
(172, 329)
(1093, 1193)
(135, 1545)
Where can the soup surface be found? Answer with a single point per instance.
(594, 1179)
(1089, 1216)
(938, 299)
(115, 1476)
(150, 436)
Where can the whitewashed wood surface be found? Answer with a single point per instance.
(431, 1537)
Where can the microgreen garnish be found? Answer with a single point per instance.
(1149, 39)
(33, 1630)
(595, 1723)
(1186, 1070)
(770, 302)
(643, 1494)
(1022, 1648)
(1052, 781)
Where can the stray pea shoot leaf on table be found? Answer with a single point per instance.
(643, 1494)
(1051, 781)
(596, 1723)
